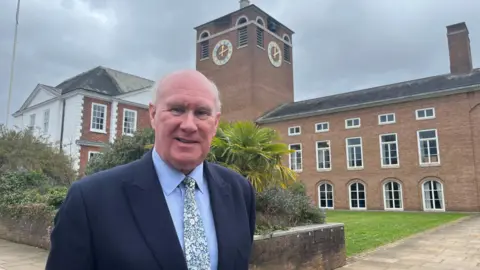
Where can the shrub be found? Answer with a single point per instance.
(23, 150)
(23, 187)
(253, 151)
(279, 208)
(124, 150)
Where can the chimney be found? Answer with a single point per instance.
(459, 49)
(244, 3)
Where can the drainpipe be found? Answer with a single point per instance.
(62, 124)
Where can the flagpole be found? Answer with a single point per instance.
(12, 64)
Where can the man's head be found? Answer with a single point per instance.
(184, 112)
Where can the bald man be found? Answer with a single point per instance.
(169, 210)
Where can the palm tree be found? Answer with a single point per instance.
(254, 152)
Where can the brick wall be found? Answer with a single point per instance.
(33, 232)
(457, 145)
(87, 134)
(319, 247)
(143, 120)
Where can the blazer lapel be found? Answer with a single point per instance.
(150, 210)
(222, 207)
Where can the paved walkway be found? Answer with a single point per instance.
(451, 247)
(21, 257)
(455, 247)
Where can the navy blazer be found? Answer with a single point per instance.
(119, 219)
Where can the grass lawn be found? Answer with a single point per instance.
(368, 230)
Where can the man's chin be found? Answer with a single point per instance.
(186, 163)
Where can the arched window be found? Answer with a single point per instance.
(433, 198)
(357, 196)
(204, 45)
(392, 195)
(286, 49)
(260, 33)
(325, 195)
(242, 32)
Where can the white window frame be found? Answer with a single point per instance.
(386, 122)
(294, 132)
(329, 148)
(350, 195)
(135, 119)
(352, 120)
(104, 130)
(383, 165)
(326, 192)
(419, 141)
(294, 153)
(92, 152)
(425, 112)
(46, 120)
(442, 197)
(347, 146)
(31, 124)
(400, 191)
(322, 124)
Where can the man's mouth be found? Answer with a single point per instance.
(184, 140)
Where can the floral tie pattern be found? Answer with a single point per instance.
(195, 239)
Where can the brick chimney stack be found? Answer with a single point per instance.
(459, 49)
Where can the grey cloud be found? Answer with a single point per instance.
(338, 46)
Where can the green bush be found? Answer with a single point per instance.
(279, 208)
(24, 187)
(124, 150)
(22, 150)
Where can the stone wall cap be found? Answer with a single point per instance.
(298, 230)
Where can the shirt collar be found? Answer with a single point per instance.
(170, 178)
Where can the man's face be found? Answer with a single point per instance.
(185, 121)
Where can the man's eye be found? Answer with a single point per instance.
(177, 110)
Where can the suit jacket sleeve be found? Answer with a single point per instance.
(253, 211)
(70, 246)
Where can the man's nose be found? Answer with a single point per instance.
(188, 123)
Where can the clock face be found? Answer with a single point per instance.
(222, 52)
(274, 54)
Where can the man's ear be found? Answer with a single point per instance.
(151, 114)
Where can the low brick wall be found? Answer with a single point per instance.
(319, 247)
(25, 230)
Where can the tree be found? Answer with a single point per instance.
(254, 152)
(125, 149)
(23, 150)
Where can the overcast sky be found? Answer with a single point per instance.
(339, 45)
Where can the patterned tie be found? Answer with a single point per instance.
(196, 249)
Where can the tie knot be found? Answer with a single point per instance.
(189, 182)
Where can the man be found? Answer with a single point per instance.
(169, 210)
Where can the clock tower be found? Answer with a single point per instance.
(248, 54)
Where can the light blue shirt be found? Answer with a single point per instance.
(174, 191)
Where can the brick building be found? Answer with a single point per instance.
(86, 112)
(405, 146)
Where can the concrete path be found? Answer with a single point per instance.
(21, 257)
(450, 247)
(455, 247)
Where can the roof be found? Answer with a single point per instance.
(372, 96)
(50, 88)
(105, 81)
(251, 6)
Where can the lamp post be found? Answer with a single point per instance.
(12, 64)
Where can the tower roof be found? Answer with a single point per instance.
(249, 7)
